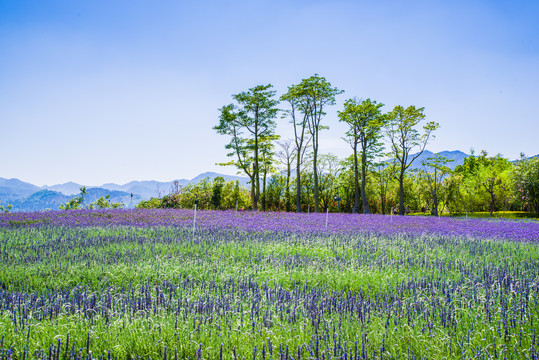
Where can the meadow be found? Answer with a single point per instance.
(143, 284)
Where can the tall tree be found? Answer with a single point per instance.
(286, 157)
(526, 179)
(329, 168)
(486, 179)
(435, 171)
(407, 143)
(267, 162)
(301, 138)
(311, 96)
(365, 121)
(383, 172)
(250, 123)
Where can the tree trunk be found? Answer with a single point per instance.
(253, 195)
(356, 181)
(401, 193)
(256, 170)
(298, 186)
(435, 203)
(315, 190)
(287, 192)
(383, 201)
(491, 205)
(264, 190)
(366, 209)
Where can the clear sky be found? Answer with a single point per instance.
(113, 91)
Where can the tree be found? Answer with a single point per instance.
(452, 194)
(234, 195)
(365, 121)
(328, 172)
(438, 169)
(217, 192)
(104, 203)
(526, 179)
(286, 157)
(251, 126)
(301, 139)
(276, 191)
(6, 208)
(77, 202)
(267, 163)
(153, 203)
(404, 139)
(345, 184)
(383, 172)
(311, 96)
(486, 180)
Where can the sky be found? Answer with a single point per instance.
(114, 91)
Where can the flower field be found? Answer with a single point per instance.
(141, 284)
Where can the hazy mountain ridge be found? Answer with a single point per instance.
(28, 197)
(456, 155)
(49, 199)
(41, 200)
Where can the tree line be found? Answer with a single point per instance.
(377, 177)
(250, 124)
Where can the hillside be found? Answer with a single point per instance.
(28, 197)
(457, 156)
(41, 200)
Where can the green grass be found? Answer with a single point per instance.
(404, 283)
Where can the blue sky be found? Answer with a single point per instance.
(113, 91)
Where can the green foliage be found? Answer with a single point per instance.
(77, 202)
(6, 209)
(405, 139)
(216, 195)
(429, 297)
(485, 180)
(104, 203)
(525, 176)
(365, 121)
(311, 96)
(250, 124)
(153, 203)
(435, 172)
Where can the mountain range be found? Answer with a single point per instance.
(456, 156)
(28, 197)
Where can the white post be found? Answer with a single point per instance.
(391, 216)
(195, 220)
(327, 215)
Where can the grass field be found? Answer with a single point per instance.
(266, 286)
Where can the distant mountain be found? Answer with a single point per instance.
(115, 196)
(457, 156)
(41, 200)
(527, 157)
(149, 189)
(146, 189)
(243, 180)
(69, 188)
(14, 189)
(48, 199)
(27, 197)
